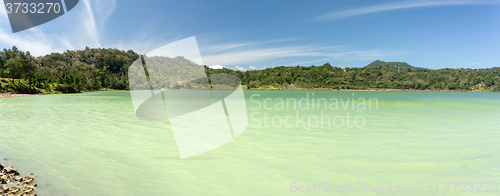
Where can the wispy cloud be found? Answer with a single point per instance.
(254, 55)
(396, 6)
(100, 9)
(35, 41)
(82, 31)
(104, 9)
(252, 67)
(240, 68)
(227, 46)
(90, 24)
(259, 55)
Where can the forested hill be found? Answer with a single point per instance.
(379, 63)
(365, 78)
(107, 69)
(71, 71)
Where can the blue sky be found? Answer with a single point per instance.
(256, 34)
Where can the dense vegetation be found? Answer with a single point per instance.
(379, 63)
(71, 71)
(106, 69)
(380, 77)
(384, 76)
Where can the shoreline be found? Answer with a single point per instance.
(328, 89)
(9, 94)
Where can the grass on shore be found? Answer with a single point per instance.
(477, 88)
(21, 86)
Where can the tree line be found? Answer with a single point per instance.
(387, 75)
(70, 71)
(107, 69)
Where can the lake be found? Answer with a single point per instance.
(93, 144)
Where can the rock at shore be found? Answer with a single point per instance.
(22, 186)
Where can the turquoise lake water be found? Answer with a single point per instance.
(93, 144)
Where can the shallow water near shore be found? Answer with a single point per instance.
(93, 144)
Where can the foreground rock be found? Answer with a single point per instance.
(21, 186)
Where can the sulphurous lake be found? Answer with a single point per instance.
(296, 142)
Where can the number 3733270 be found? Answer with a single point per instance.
(39, 8)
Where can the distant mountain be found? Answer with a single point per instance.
(379, 63)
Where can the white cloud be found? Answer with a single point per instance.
(252, 67)
(240, 68)
(227, 46)
(89, 22)
(35, 41)
(251, 55)
(95, 9)
(104, 9)
(397, 5)
(218, 66)
(254, 55)
(82, 31)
